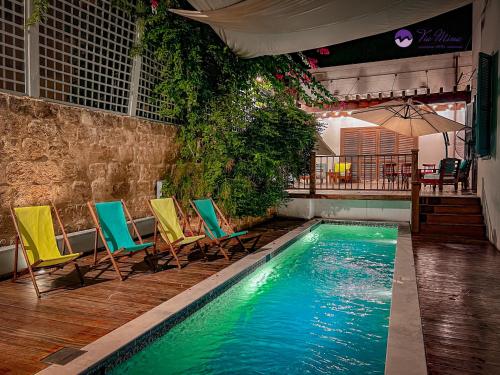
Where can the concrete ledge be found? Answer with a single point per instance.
(348, 209)
(405, 344)
(81, 241)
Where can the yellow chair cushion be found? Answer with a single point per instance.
(342, 168)
(166, 213)
(60, 260)
(37, 233)
(191, 239)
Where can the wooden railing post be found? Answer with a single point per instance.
(415, 193)
(312, 174)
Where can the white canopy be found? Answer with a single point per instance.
(271, 27)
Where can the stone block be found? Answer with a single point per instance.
(34, 148)
(72, 155)
(97, 170)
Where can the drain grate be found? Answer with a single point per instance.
(63, 356)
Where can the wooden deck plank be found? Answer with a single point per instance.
(74, 316)
(460, 304)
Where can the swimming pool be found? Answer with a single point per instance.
(321, 306)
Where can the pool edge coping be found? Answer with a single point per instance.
(108, 345)
(405, 342)
(405, 347)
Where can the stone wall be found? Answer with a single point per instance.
(70, 155)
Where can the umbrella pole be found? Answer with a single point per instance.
(446, 143)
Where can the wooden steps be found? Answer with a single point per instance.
(452, 216)
(454, 219)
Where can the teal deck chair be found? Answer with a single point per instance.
(111, 226)
(213, 221)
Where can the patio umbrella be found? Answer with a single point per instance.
(410, 118)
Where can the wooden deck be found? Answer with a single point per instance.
(378, 194)
(74, 316)
(458, 285)
(457, 281)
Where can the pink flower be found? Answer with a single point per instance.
(306, 78)
(313, 63)
(154, 6)
(323, 51)
(279, 76)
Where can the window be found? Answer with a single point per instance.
(12, 45)
(84, 59)
(486, 99)
(376, 142)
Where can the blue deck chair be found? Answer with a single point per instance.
(213, 221)
(111, 226)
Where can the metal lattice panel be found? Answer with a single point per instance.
(147, 104)
(85, 54)
(12, 76)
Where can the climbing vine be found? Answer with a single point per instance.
(40, 8)
(241, 135)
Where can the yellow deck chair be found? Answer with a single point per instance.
(342, 168)
(35, 233)
(166, 212)
(343, 172)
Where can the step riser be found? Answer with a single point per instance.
(452, 210)
(451, 201)
(452, 230)
(453, 219)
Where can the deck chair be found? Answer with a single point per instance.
(447, 174)
(213, 220)
(35, 233)
(111, 226)
(166, 212)
(343, 172)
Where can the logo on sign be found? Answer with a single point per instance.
(403, 38)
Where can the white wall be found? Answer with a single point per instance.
(431, 146)
(488, 40)
(331, 134)
(345, 209)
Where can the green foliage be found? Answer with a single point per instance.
(241, 135)
(40, 8)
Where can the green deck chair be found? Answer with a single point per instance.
(166, 212)
(35, 233)
(111, 226)
(213, 220)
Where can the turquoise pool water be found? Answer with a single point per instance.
(320, 307)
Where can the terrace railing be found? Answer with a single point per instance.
(381, 172)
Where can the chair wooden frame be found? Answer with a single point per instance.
(32, 268)
(219, 242)
(99, 233)
(186, 224)
(405, 171)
